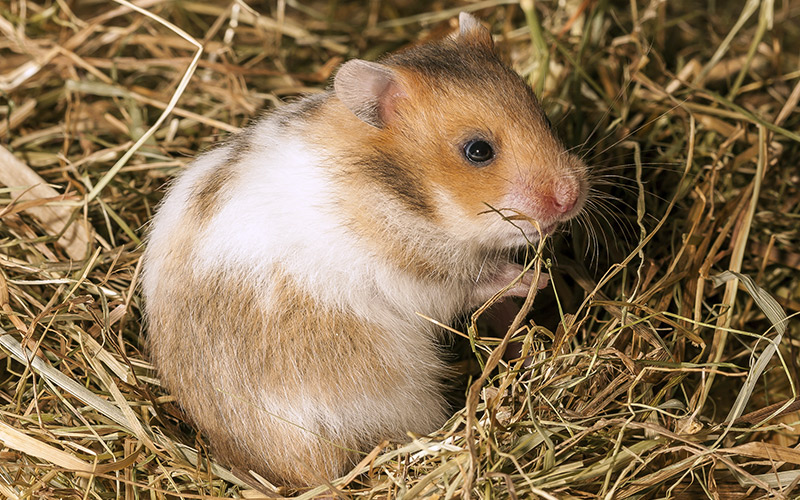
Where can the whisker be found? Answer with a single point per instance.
(619, 95)
(622, 187)
(601, 207)
(645, 166)
(597, 226)
(588, 230)
(580, 222)
(615, 199)
(625, 225)
(640, 127)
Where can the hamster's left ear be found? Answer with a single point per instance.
(470, 30)
(370, 90)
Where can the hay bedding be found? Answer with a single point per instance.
(646, 380)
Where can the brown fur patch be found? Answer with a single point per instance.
(418, 265)
(205, 199)
(400, 182)
(303, 109)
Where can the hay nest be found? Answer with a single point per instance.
(662, 363)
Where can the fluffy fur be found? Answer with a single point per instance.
(285, 270)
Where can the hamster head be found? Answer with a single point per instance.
(469, 138)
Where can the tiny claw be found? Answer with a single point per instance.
(544, 280)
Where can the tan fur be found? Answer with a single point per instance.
(279, 346)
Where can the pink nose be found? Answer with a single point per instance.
(563, 206)
(565, 195)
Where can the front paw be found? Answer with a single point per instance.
(522, 288)
(488, 286)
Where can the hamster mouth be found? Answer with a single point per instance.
(521, 229)
(531, 227)
(524, 232)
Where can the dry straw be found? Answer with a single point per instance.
(640, 378)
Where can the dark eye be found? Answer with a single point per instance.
(549, 123)
(478, 151)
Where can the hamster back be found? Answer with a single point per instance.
(287, 270)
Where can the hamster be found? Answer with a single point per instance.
(286, 271)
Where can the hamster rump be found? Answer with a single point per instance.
(256, 340)
(270, 398)
(287, 271)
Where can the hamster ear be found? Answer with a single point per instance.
(470, 30)
(370, 90)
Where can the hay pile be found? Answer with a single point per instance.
(646, 379)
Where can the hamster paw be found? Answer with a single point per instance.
(489, 285)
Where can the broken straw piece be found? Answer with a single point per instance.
(14, 173)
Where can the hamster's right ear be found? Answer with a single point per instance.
(470, 30)
(370, 90)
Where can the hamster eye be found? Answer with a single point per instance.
(478, 151)
(549, 123)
